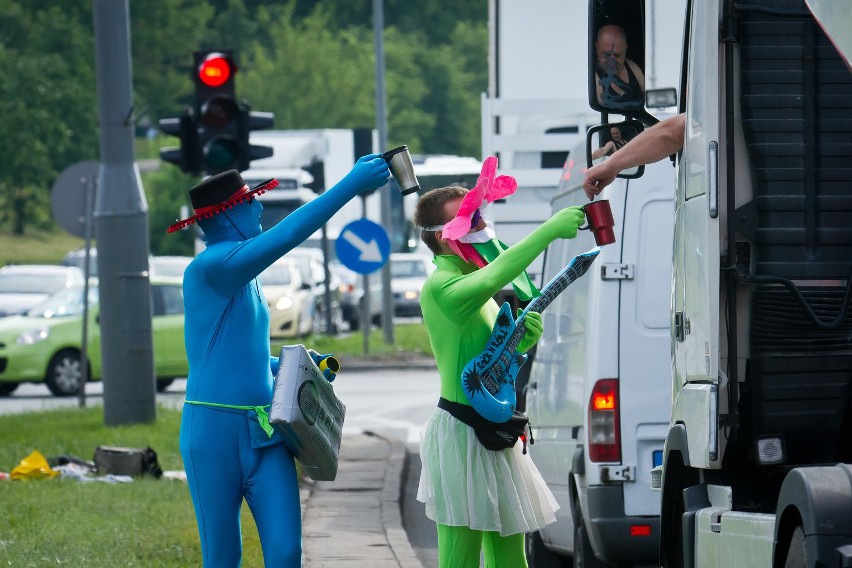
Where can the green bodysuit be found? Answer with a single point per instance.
(481, 500)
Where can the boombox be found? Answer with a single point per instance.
(307, 413)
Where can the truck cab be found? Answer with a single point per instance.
(756, 466)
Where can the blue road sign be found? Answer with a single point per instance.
(363, 246)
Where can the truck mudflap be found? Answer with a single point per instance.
(618, 538)
(820, 499)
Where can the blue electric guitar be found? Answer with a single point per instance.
(488, 379)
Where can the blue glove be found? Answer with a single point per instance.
(534, 326)
(327, 364)
(369, 173)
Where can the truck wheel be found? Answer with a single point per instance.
(163, 384)
(796, 550)
(538, 556)
(584, 556)
(64, 373)
(8, 388)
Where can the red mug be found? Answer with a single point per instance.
(600, 221)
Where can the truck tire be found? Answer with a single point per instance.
(8, 388)
(584, 556)
(796, 550)
(539, 556)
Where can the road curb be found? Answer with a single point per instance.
(392, 490)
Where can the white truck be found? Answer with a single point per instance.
(756, 466)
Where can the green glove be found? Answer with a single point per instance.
(534, 326)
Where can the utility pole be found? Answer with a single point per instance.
(121, 228)
(385, 196)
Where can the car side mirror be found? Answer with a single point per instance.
(616, 55)
(606, 139)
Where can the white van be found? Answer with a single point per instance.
(599, 393)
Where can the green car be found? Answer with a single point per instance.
(44, 344)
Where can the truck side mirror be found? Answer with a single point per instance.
(617, 55)
(606, 139)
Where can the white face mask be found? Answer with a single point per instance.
(482, 236)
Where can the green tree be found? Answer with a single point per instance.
(49, 121)
(164, 33)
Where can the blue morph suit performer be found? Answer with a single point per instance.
(229, 450)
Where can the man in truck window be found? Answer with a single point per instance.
(619, 80)
(481, 500)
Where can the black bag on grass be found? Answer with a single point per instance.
(135, 462)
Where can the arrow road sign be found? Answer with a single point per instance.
(363, 246)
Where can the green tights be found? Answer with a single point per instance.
(459, 547)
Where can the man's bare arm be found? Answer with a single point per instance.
(661, 140)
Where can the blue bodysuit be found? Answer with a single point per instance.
(226, 452)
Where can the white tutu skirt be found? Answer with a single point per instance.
(463, 484)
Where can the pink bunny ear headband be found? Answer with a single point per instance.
(489, 187)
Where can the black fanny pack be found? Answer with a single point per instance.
(495, 436)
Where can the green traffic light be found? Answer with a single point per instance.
(221, 154)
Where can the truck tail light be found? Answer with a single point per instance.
(604, 423)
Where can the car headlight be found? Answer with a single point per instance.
(284, 303)
(411, 294)
(32, 336)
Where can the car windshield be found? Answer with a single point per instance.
(276, 275)
(31, 283)
(64, 303)
(407, 269)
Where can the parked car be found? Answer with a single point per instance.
(23, 286)
(169, 265)
(408, 273)
(44, 344)
(290, 300)
(310, 264)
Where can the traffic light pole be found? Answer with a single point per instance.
(121, 230)
(382, 127)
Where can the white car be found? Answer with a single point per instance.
(23, 286)
(291, 307)
(408, 273)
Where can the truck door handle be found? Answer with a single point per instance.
(713, 181)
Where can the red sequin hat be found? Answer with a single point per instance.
(220, 192)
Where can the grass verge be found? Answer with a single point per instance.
(147, 523)
(409, 339)
(61, 522)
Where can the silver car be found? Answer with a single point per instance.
(23, 286)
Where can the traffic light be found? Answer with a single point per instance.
(216, 111)
(187, 156)
(317, 170)
(223, 123)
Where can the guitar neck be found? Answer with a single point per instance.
(576, 268)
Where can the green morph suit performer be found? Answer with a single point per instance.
(481, 500)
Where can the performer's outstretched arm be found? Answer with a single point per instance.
(464, 295)
(237, 266)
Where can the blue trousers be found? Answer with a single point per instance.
(228, 457)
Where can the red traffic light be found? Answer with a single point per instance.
(216, 70)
